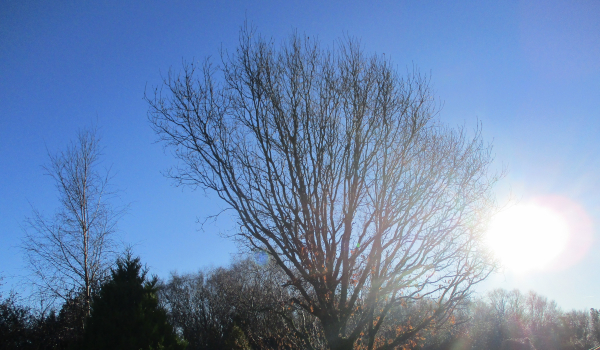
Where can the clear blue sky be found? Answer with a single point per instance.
(529, 71)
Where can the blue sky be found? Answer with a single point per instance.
(528, 71)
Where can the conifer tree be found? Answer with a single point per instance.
(126, 313)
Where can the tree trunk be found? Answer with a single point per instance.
(334, 340)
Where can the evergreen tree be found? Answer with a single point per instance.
(236, 339)
(15, 325)
(126, 314)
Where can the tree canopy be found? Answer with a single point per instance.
(339, 168)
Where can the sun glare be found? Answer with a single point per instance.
(528, 237)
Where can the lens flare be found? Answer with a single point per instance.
(261, 257)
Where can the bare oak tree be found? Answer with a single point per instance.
(71, 253)
(339, 168)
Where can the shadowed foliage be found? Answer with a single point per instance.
(126, 314)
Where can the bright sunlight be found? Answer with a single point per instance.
(527, 237)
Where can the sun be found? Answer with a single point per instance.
(527, 237)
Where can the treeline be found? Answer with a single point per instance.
(124, 314)
(22, 327)
(487, 322)
(249, 306)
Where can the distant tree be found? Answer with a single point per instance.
(70, 254)
(22, 328)
(595, 320)
(338, 167)
(512, 317)
(576, 331)
(15, 325)
(208, 306)
(543, 318)
(126, 314)
(59, 330)
(517, 344)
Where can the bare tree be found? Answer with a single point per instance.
(595, 324)
(71, 253)
(339, 168)
(206, 307)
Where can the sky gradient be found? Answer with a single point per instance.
(528, 71)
